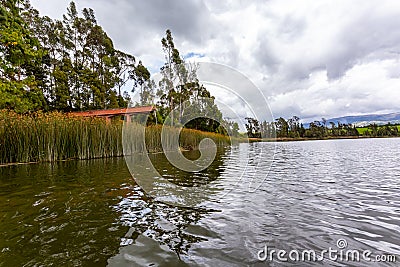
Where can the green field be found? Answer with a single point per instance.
(361, 130)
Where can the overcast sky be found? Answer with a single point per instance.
(312, 59)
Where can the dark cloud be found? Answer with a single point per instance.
(135, 24)
(266, 56)
(188, 19)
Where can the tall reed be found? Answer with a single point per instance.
(56, 136)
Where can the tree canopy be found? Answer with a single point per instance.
(182, 96)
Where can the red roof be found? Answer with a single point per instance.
(114, 112)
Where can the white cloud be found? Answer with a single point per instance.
(365, 88)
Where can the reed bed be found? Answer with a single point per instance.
(56, 136)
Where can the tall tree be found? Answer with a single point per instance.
(20, 61)
(167, 88)
(182, 95)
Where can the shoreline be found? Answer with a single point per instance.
(182, 149)
(289, 139)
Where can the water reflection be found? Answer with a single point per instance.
(54, 214)
(189, 179)
(163, 181)
(158, 228)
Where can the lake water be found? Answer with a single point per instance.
(92, 213)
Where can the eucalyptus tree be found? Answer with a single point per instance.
(282, 127)
(253, 127)
(142, 75)
(125, 70)
(167, 90)
(20, 60)
(182, 95)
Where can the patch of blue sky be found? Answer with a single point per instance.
(193, 55)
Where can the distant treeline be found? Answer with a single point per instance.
(375, 130)
(292, 128)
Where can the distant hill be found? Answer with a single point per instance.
(363, 120)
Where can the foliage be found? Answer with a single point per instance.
(182, 97)
(231, 127)
(253, 128)
(20, 54)
(68, 64)
(374, 130)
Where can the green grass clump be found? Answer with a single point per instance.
(188, 138)
(57, 136)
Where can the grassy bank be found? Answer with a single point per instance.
(55, 136)
(289, 139)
